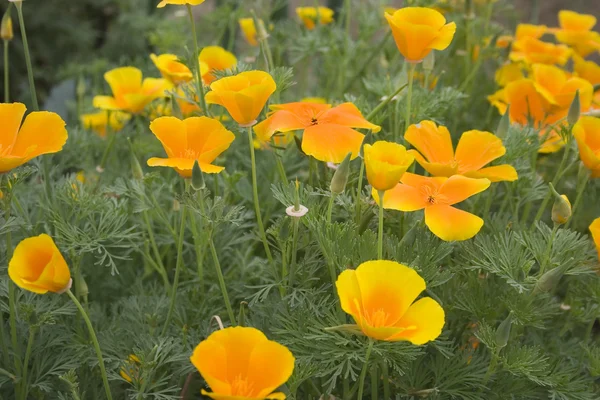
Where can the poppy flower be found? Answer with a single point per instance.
(243, 95)
(595, 230)
(171, 68)
(130, 93)
(328, 134)
(38, 266)
(385, 163)
(587, 134)
(437, 195)
(100, 121)
(179, 2)
(535, 51)
(576, 31)
(241, 363)
(248, 28)
(42, 133)
(310, 15)
(215, 58)
(380, 295)
(509, 72)
(474, 151)
(193, 139)
(418, 30)
(590, 71)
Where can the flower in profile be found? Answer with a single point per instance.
(535, 51)
(509, 72)
(38, 266)
(311, 15)
(171, 68)
(595, 230)
(241, 363)
(587, 134)
(179, 2)
(380, 295)
(215, 58)
(131, 370)
(576, 31)
(130, 93)
(590, 71)
(385, 163)
(101, 121)
(248, 28)
(328, 134)
(193, 139)
(419, 30)
(474, 151)
(437, 195)
(243, 95)
(42, 133)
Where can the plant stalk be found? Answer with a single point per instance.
(363, 373)
(199, 84)
(380, 234)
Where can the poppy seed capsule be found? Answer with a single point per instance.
(340, 177)
(197, 177)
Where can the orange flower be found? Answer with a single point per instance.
(418, 30)
(576, 31)
(42, 133)
(380, 295)
(385, 163)
(590, 71)
(179, 2)
(215, 58)
(100, 121)
(437, 196)
(595, 230)
(199, 139)
(241, 363)
(248, 28)
(130, 93)
(530, 31)
(474, 151)
(509, 72)
(38, 266)
(309, 16)
(171, 68)
(534, 51)
(587, 133)
(243, 95)
(328, 134)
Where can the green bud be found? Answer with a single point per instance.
(503, 332)
(80, 88)
(242, 314)
(561, 210)
(548, 281)
(136, 168)
(340, 176)
(504, 124)
(6, 27)
(429, 62)
(574, 110)
(197, 177)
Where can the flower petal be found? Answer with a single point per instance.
(497, 173)
(124, 80)
(432, 141)
(172, 133)
(423, 322)
(458, 188)
(450, 224)
(476, 149)
(279, 121)
(595, 231)
(347, 114)
(444, 38)
(271, 365)
(435, 169)
(207, 138)
(11, 115)
(42, 132)
(106, 103)
(331, 143)
(402, 198)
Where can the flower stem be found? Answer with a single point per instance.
(159, 262)
(198, 250)
(19, 7)
(199, 84)
(296, 223)
(386, 381)
(219, 271)
(330, 207)
(548, 253)
(578, 197)
(94, 342)
(380, 235)
(411, 77)
(374, 382)
(363, 373)
(359, 191)
(6, 73)
(24, 389)
(261, 228)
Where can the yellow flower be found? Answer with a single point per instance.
(100, 121)
(380, 295)
(534, 51)
(314, 100)
(179, 2)
(587, 134)
(385, 163)
(38, 266)
(576, 31)
(595, 230)
(199, 139)
(42, 133)
(509, 72)
(590, 71)
(561, 210)
(243, 95)
(171, 68)
(130, 93)
(248, 28)
(241, 363)
(215, 58)
(131, 371)
(309, 16)
(418, 30)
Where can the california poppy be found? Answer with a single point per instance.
(385, 163)
(215, 58)
(311, 15)
(171, 68)
(131, 370)
(595, 231)
(99, 122)
(179, 2)
(576, 31)
(535, 51)
(248, 28)
(587, 134)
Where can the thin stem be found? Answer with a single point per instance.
(363, 373)
(6, 73)
(380, 235)
(330, 207)
(198, 250)
(19, 7)
(491, 368)
(370, 57)
(159, 262)
(386, 380)
(411, 77)
(94, 342)
(296, 223)
(196, 62)
(578, 197)
(280, 168)
(359, 190)
(374, 382)
(3, 345)
(215, 257)
(385, 102)
(24, 389)
(108, 148)
(261, 228)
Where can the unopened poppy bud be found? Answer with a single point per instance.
(197, 177)
(80, 88)
(6, 27)
(574, 110)
(340, 177)
(136, 168)
(548, 281)
(561, 210)
(503, 332)
(429, 62)
(504, 124)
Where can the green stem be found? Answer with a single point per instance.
(159, 262)
(296, 223)
(374, 382)
(215, 257)
(491, 368)
(19, 7)
(385, 102)
(380, 235)
(94, 342)
(386, 381)
(24, 387)
(280, 168)
(363, 373)
(198, 250)
(6, 73)
(108, 148)
(196, 62)
(359, 190)
(578, 197)
(3, 345)
(259, 221)
(330, 207)
(411, 77)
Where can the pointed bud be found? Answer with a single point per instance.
(429, 62)
(136, 168)
(548, 281)
(503, 332)
(561, 210)
(504, 124)
(340, 176)
(241, 321)
(80, 88)
(574, 110)
(6, 27)
(197, 177)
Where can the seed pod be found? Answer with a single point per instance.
(340, 177)
(197, 177)
(136, 168)
(548, 281)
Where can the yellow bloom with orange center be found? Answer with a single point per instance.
(99, 122)
(241, 363)
(576, 31)
(42, 132)
(310, 15)
(474, 151)
(38, 266)
(171, 68)
(179, 2)
(587, 134)
(248, 28)
(380, 295)
(193, 139)
(419, 30)
(595, 230)
(535, 51)
(131, 370)
(215, 58)
(130, 93)
(328, 134)
(243, 95)
(385, 163)
(437, 195)
(509, 72)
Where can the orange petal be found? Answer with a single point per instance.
(184, 166)
(207, 138)
(526, 102)
(595, 231)
(402, 198)
(124, 80)
(450, 224)
(422, 322)
(476, 149)
(444, 38)
(11, 115)
(432, 141)
(587, 134)
(458, 188)
(270, 366)
(172, 133)
(106, 103)
(497, 173)
(331, 143)
(280, 121)
(42, 132)
(435, 169)
(347, 114)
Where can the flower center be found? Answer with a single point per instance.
(189, 153)
(378, 318)
(241, 387)
(314, 121)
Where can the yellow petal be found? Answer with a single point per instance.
(497, 173)
(458, 188)
(476, 149)
(595, 231)
(11, 116)
(331, 143)
(385, 163)
(432, 141)
(451, 224)
(423, 322)
(124, 80)
(42, 132)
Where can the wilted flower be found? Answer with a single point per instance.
(385, 163)
(248, 28)
(179, 2)
(171, 68)
(199, 139)
(595, 231)
(328, 134)
(215, 58)
(437, 195)
(576, 31)
(101, 120)
(474, 151)
(131, 370)
(42, 133)
(241, 363)
(310, 16)
(587, 134)
(38, 266)
(380, 295)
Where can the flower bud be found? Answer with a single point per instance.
(197, 177)
(574, 110)
(504, 124)
(503, 332)
(340, 176)
(6, 27)
(136, 168)
(548, 281)
(561, 210)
